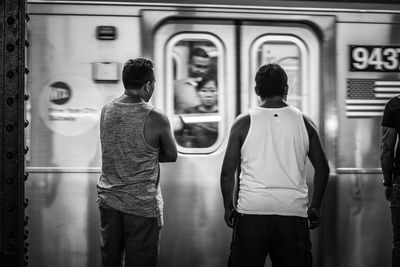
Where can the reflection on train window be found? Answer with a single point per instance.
(196, 93)
(287, 54)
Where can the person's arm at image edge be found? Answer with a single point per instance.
(387, 152)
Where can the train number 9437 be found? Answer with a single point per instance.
(375, 58)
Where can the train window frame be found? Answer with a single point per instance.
(303, 59)
(219, 117)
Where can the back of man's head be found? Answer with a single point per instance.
(137, 72)
(271, 80)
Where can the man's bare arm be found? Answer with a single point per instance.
(159, 134)
(319, 161)
(168, 150)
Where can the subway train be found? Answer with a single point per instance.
(343, 63)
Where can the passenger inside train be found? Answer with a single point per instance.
(185, 93)
(201, 134)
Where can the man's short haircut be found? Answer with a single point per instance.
(137, 72)
(198, 52)
(271, 80)
(206, 78)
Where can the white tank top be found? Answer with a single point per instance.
(273, 158)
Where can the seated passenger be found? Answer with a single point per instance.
(201, 134)
(185, 93)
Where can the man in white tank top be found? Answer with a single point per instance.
(268, 148)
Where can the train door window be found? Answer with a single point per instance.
(289, 52)
(193, 66)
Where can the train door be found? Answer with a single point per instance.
(296, 48)
(195, 233)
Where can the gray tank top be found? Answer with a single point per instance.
(129, 180)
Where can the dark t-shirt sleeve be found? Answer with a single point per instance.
(388, 118)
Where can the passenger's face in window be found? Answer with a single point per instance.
(208, 94)
(199, 66)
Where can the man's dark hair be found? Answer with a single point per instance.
(206, 79)
(198, 52)
(137, 72)
(271, 80)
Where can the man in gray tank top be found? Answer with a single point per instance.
(135, 137)
(268, 147)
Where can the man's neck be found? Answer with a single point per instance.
(273, 102)
(131, 97)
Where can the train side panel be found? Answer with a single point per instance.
(366, 80)
(337, 61)
(65, 58)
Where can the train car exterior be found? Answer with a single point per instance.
(343, 62)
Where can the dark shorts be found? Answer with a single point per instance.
(286, 239)
(129, 238)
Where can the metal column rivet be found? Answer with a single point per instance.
(9, 128)
(10, 101)
(10, 20)
(10, 74)
(10, 47)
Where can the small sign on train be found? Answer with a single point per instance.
(106, 71)
(374, 58)
(70, 104)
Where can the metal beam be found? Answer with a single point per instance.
(13, 245)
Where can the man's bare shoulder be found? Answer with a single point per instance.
(157, 117)
(241, 124)
(242, 119)
(310, 126)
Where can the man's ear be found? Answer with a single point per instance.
(256, 90)
(286, 89)
(147, 86)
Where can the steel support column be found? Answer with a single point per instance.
(13, 235)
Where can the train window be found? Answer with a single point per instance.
(193, 67)
(290, 53)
